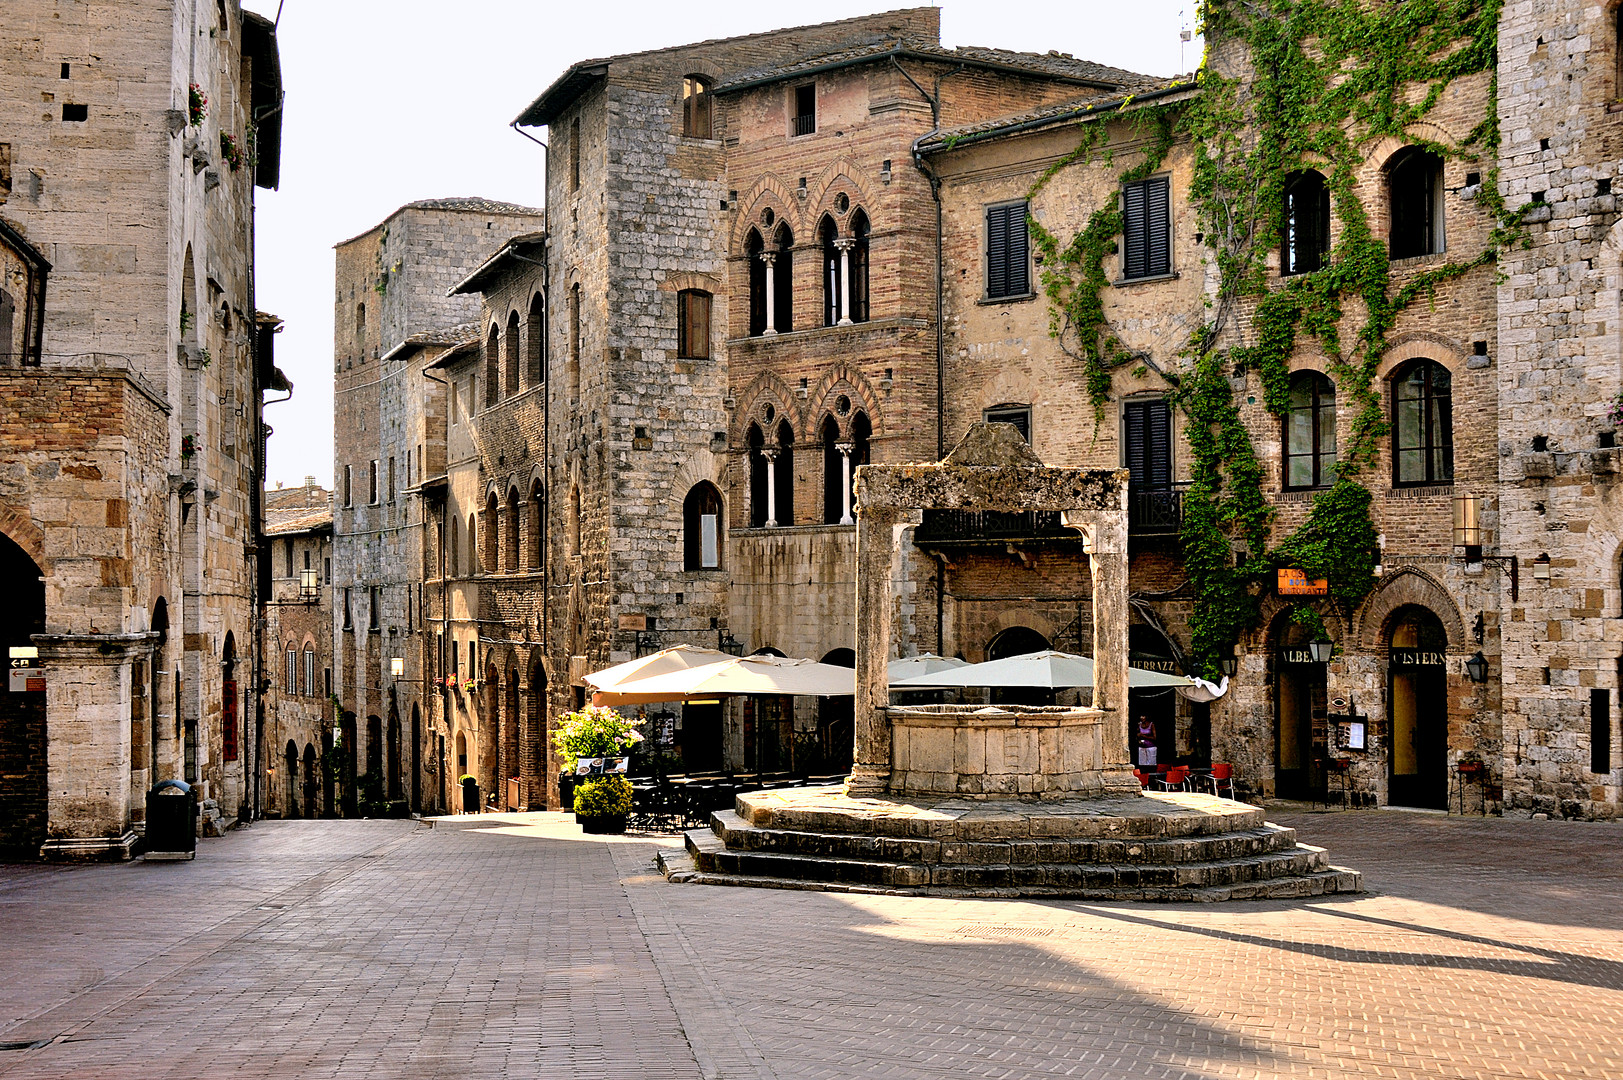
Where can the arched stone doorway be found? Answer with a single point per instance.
(23, 789)
(512, 798)
(535, 722)
(1148, 648)
(1300, 708)
(392, 769)
(1417, 692)
(416, 759)
(836, 724)
(292, 782)
(1018, 641)
(311, 783)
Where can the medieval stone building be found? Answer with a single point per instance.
(297, 545)
(132, 137)
(395, 317)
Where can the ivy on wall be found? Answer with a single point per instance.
(1323, 82)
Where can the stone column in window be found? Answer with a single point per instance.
(769, 257)
(845, 244)
(771, 456)
(845, 449)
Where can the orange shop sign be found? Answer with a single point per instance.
(1295, 583)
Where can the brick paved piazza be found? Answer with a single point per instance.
(514, 946)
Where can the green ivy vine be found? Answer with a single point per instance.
(1327, 80)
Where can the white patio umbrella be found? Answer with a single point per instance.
(663, 662)
(1049, 669)
(909, 667)
(735, 676)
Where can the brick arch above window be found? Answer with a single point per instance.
(838, 379)
(769, 191)
(836, 178)
(766, 388)
(710, 283)
(1421, 345)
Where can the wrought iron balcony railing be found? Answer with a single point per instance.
(1155, 511)
(948, 527)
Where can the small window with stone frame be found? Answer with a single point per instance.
(693, 324)
(805, 116)
(697, 107)
(1017, 415)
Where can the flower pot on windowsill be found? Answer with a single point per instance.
(602, 824)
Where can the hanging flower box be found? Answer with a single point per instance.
(231, 151)
(197, 104)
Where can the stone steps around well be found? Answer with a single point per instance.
(739, 835)
(712, 855)
(683, 865)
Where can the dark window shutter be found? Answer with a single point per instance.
(1019, 259)
(1158, 210)
(1134, 423)
(997, 252)
(1134, 248)
(1147, 431)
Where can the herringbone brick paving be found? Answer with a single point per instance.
(514, 946)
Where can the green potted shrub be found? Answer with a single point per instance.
(602, 804)
(470, 793)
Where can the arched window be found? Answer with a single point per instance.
(511, 380)
(834, 472)
(453, 549)
(1422, 424)
(514, 511)
(491, 556)
(1305, 224)
(696, 107)
(753, 249)
(309, 670)
(783, 280)
(1310, 432)
(538, 517)
(783, 499)
(701, 527)
(856, 308)
(756, 443)
(827, 234)
(574, 154)
(360, 331)
(290, 669)
(573, 380)
(535, 339)
(8, 316)
(473, 546)
(574, 520)
(493, 367)
(693, 324)
(1414, 181)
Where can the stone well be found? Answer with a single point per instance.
(1002, 801)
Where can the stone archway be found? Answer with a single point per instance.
(1408, 585)
(23, 788)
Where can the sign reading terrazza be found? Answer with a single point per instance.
(1405, 657)
(1295, 583)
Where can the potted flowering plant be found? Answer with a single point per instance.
(470, 685)
(197, 104)
(231, 151)
(188, 445)
(602, 804)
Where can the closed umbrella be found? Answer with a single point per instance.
(1048, 669)
(738, 675)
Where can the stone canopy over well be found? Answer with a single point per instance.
(994, 469)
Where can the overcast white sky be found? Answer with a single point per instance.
(394, 100)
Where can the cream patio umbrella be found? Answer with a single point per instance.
(606, 684)
(735, 676)
(1048, 669)
(911, 667)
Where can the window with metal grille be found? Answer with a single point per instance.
(290, 683)
(693, 324)
(309, 672)
(805, 109)
(1147, 435)
(1146, 249)
(1018, 415)
(1008, 251)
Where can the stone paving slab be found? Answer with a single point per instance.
(512, 945)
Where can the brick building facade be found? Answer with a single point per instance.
(130, 428)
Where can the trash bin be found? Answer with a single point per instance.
(171, 822)
(470, 795)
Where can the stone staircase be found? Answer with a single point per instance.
(1170, 847)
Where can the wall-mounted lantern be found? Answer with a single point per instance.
(397, 666)
(1321, 651)
(1477, 668)
(1227, 663)
(1541, 568)
(309, 584)
(1468, 526)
